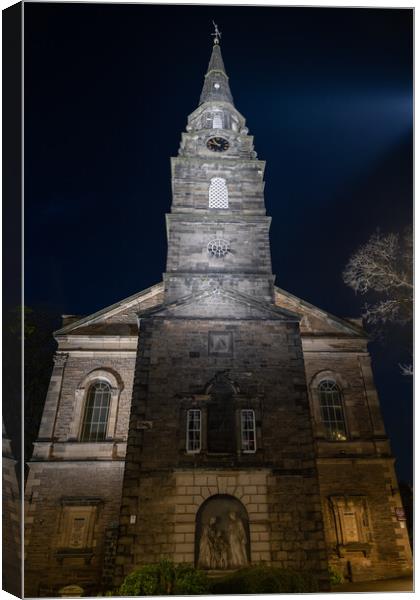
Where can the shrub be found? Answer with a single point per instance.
(335, 576)
(190, 581)
(264, 580)
(164, 578)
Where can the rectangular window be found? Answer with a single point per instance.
(194, 430)
(248, 431)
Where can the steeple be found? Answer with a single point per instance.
(216, 82)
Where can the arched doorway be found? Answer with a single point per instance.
(222, 534)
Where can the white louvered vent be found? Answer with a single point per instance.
(218, 193)
(217, 121)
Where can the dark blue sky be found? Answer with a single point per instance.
(327, 93)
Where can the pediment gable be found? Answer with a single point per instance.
(223, 304)
(118, 319)
(316, 321)
(121, 318)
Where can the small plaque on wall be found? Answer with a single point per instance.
(220, 343)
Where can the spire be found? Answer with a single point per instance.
(216, 82)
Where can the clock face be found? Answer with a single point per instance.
(217, 144)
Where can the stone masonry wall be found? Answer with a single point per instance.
(11, 523)
(388, 553)
(76, 370)
(361, 466)
(174, 364)
(48, 485)
(63, 467)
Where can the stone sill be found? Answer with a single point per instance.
(74, 450)
(85, 554)
(354, 547)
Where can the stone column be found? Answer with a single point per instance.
(371, 396)
(46, 430)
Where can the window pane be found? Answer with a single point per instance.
(194, 430)
(331, 409)
(248, 430)
(96, 412)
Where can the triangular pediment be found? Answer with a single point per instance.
(220, 303)
(118, 319)
(316, 321)
(121, 318)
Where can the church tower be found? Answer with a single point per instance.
(220, 440)
(218, 228)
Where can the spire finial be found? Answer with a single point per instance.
(217, 34)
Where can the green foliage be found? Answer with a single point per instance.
(142, 582)
(190, 581)
(164, 578)
(336, 576)
(265, 580)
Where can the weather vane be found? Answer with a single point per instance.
(217, 34)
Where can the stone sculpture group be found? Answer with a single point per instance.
(223, 548)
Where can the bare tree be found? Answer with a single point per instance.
(382, 270)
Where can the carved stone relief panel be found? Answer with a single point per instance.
(220, 343)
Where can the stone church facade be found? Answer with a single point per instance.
(213, 418)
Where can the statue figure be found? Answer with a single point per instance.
(237, 541)
(207, 557)
(213, 552)
(221, 551)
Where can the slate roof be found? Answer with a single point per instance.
(216, 82)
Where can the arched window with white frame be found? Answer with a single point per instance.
(96, 406)
(95, 419)
(218, 193)
(332, 410)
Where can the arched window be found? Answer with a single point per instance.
(331, 409)
(95, 419)
(218, 193)
(218, 120)
(214, 120)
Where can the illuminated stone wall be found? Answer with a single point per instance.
(164, 485)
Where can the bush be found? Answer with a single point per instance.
(264, 580)
(190, 581)
(164, 578)
(335, 576)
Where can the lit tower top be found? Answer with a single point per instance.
(216, 81)
(217, 227)
(216, 117)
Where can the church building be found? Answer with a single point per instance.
(214, 418)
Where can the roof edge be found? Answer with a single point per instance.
(91, 318)
(343, 322)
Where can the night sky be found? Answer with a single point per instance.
(327, 93)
